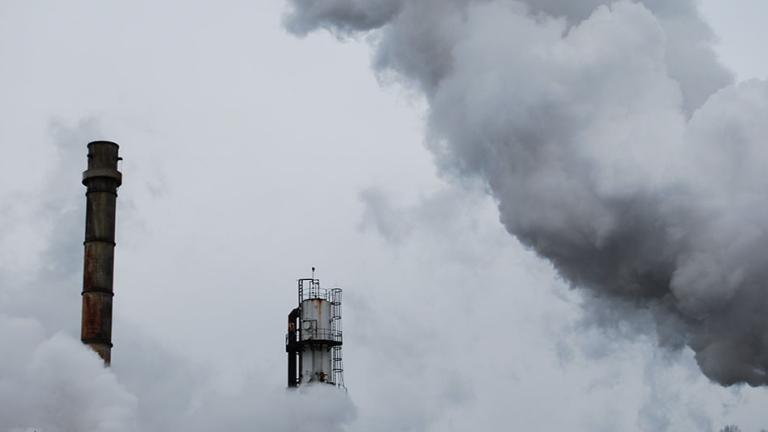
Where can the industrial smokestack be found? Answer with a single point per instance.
(102, 180)
(314, 338)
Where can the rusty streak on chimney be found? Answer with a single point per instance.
(102, 180)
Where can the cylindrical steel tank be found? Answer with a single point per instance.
(313, 341)
(315, 319)
(316, 361)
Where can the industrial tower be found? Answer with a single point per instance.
(102, 179)
(313, 342)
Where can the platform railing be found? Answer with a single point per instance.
(321, 335)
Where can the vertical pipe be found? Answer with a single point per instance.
(291, 347)
(102, 180)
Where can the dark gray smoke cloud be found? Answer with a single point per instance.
(615, 144)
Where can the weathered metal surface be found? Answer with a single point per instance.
(102, 180)
(314, 336)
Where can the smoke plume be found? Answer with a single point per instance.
(615, 144)
(50, 381)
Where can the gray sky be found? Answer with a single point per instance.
(738, 27)
(251, 155)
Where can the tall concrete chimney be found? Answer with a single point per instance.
(102, 180)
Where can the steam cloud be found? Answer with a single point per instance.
(615, 144)
(50, 381)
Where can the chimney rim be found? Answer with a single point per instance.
(103, 142)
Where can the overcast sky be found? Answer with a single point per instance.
(251, 155)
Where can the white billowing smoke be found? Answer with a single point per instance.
(615, 144)
(50, 381)
(53, 384)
